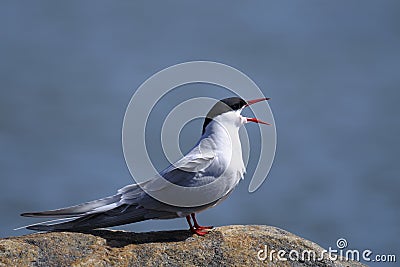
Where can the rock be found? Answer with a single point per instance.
(224, 246)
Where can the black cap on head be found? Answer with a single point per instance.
(222, 106)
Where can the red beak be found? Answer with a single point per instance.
(258, 121)
(251, 102)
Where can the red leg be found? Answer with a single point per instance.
(196, 231)
(197, 226)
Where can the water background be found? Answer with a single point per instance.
(68, 70)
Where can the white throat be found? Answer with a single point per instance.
(223, 132)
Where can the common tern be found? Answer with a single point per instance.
(220, 158)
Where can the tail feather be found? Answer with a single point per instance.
(119, 209)
(78, 210)
(46, 223)
(119, 216)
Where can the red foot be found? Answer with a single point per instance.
(204, 227)
(198, 232)
(197, 229)
(197, 226)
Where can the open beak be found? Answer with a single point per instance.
(257, 121)
(251, 102)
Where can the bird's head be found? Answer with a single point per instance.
(228, 111)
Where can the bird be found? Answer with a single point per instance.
(220, 158)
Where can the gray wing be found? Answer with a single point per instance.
(131, 203)
(106, 212)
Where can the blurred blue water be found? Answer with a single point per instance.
(68, 70)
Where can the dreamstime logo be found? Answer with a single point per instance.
(342, 253)
(341, 243)
(151, 92)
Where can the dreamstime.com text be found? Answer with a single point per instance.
(341, 252)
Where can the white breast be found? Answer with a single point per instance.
(223, 131)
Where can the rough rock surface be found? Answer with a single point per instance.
(224, 246)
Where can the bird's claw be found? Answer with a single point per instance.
(200, 232)
(196, 228)
(204, 227)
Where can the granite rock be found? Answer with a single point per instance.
(224, 246)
